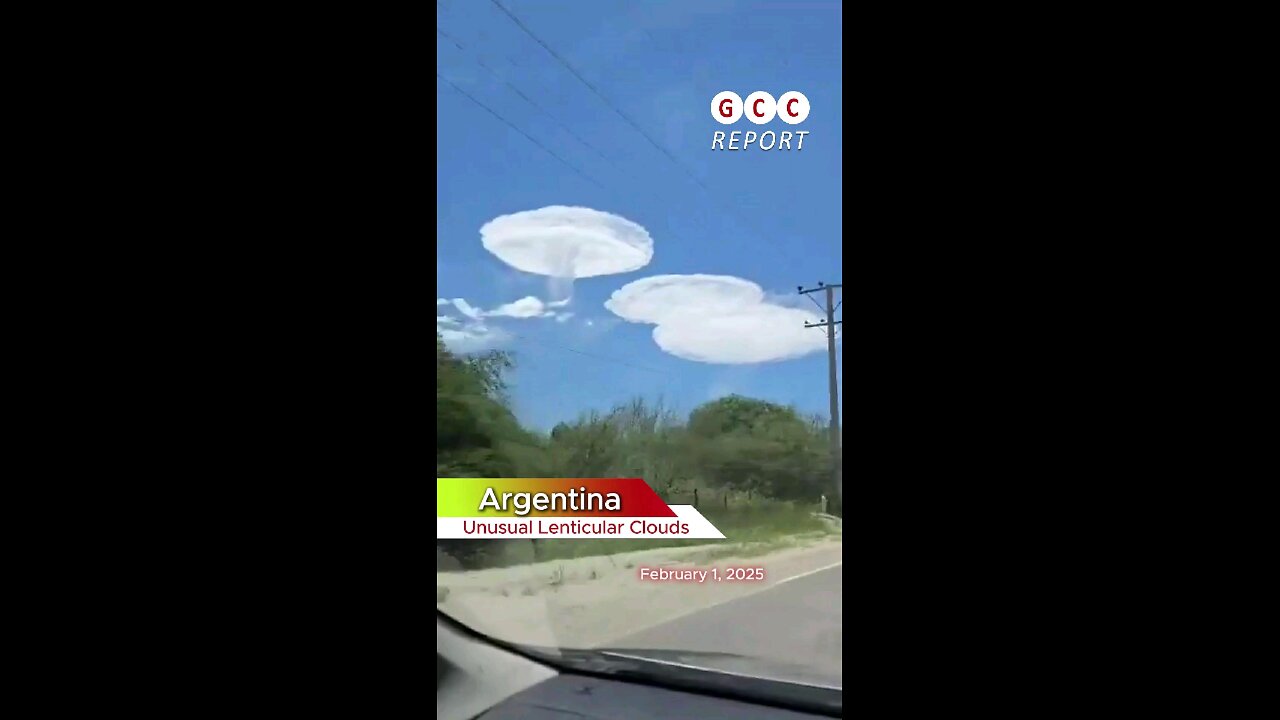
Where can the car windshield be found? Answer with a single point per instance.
(639, 251)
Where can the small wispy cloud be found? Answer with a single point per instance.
(466, 309)
(525, 307)
(473, 337)
(474, 332)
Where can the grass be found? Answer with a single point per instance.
(750, 530)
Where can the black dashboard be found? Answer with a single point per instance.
(476, 679)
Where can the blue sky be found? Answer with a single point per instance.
(772, 219)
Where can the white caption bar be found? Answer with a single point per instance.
(688, 523)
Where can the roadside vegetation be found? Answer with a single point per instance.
(758, 468)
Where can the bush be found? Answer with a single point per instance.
(464, 554)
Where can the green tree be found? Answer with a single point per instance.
(477, 435)
(747, 444)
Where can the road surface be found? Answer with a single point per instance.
(797, 623)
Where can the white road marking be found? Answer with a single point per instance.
(807, 574)
(719, 671)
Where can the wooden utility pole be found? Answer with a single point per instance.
(837, 469)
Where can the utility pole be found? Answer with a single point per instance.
(831, 323)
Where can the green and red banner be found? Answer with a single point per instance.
(561, 507)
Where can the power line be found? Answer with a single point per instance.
(526, 135)
(626, 118)
(513, 87)
(591, 355)
(520, 92)
(551, 51)
(584, 353)
(592, 87)
(673, 381)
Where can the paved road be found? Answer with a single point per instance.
(797, 623)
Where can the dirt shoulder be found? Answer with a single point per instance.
(589, 602)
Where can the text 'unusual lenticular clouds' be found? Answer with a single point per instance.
(717, 319)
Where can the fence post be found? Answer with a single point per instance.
(695, 498)
(726, 499)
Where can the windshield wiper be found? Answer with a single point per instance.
(728, 675)
(630, 665)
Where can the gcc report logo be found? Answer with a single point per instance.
(760, 108)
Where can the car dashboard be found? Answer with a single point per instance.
(478, 679)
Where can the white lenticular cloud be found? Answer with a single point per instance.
(567, 243)
(717, 319)
(658, 298)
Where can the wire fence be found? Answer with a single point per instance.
(710, 498)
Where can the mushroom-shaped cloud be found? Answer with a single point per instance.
(568, 242)
(717, 319)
